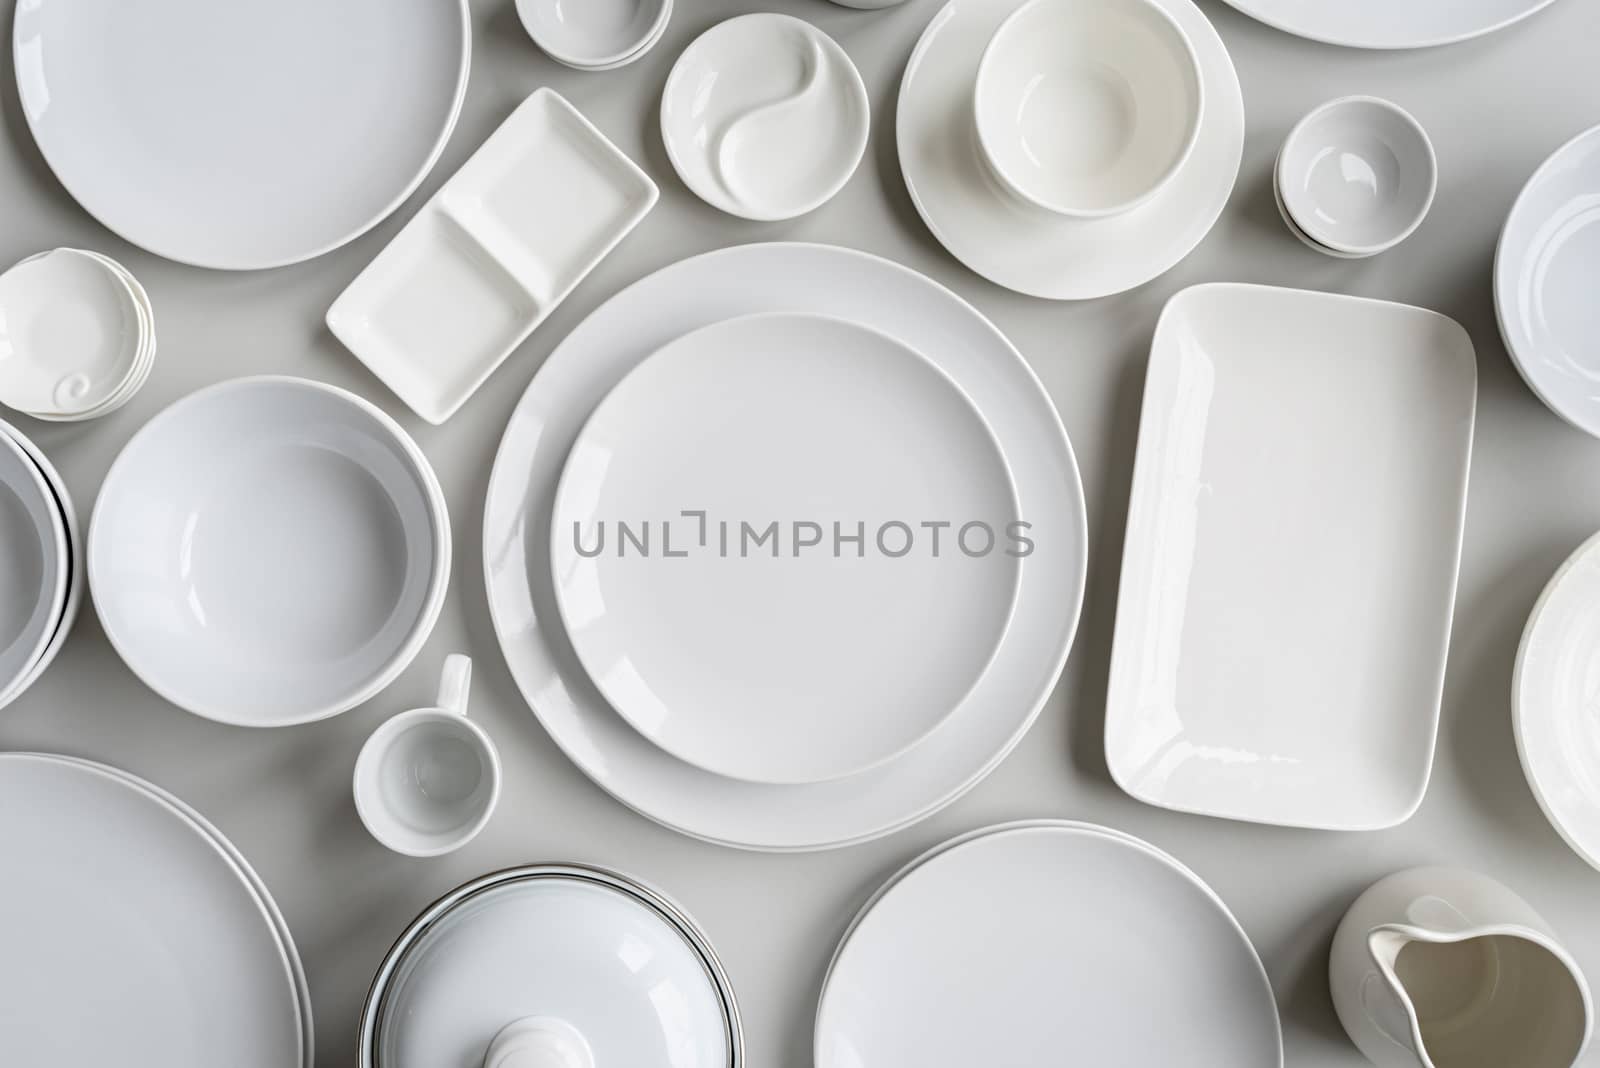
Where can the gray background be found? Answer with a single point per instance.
(1495, 107)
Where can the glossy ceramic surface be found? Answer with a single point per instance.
(579, 967)
(75, 569)
(1384, 24)
(594, 34)
(811, 279)
(764, 116)
(1088, 107)
(539, 204)
(1357, 175)
(269, 551)
(35, 563)
(255, 106)
(843, 634)
(170, 951)
(1025, 248)
(1259, 526)
(969, 956)
(1303, 237)
(1445, 968)
(1544, 282)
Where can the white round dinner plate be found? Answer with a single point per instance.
(1024, 247)
(1046, 941)
(75, 566)
(269, 551)
(35, 560)
(1544, 282)
(245, 134)
(1554, 689)
(1385, 24)
(815, 280)
(133, 937)
(805, 625)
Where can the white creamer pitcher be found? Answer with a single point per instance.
(1443, 968)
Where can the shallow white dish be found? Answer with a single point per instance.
(1088, 107)
(1357, 175)
(76, 561)
(1385, 24)
(1288, 584)
(1552, 700)
(542, 201)
(241, 135)
(170, 952)
(1025, 248)
(1544, 282)
(1023, 942)
(764, 116)
(594, 34)
(269, 551)
(763, 645)
(815, 279)
(35, 564)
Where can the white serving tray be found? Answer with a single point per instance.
(1289, 573)
(482, 264)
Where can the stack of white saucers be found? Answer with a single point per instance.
(77, 336)
(41, 563)
(597, 34)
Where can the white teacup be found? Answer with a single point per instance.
(427, 781)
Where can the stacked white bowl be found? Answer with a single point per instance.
(595, 34)
(41, 563)
(77, 336)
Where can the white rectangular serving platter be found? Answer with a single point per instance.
(1289, 572)
(482, 264)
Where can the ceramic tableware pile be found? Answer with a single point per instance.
(595, 34)
(79, 335)
(41, 563)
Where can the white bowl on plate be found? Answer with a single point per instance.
(595, 34)
(35, 560)
(269, 551)
(1357, 174)
(1088, 107)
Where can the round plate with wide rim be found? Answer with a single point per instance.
(812, 279)
(1553, 694)
(241, 135)
(269, 551)
(1384, 24)
(75, 565)
(169, 953)
(1026, 248)
(1544, 282)
(35, 562)
(807, 626)
(1046, 935)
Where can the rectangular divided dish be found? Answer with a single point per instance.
(543, 201)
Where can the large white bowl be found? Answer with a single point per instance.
(1088, 107)
(269, 551)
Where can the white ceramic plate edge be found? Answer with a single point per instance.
(1251, 9)
(78, 565)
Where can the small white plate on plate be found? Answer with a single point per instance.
(764, 116)
(1026, 248)
(35, 562)
(1554, 691)
(802, 622)
(1028, 943)
(512, 232)
(269, 551)
(241, 135)
(1385, 24)
(75, 567)
(1289, 570)
(1544, 282)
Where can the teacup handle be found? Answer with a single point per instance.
(454, 683)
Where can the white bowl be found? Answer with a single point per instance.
(34, 563)
(594, 34)
(1358, 175)
(1088, 107)
(269, 551)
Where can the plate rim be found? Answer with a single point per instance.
(1251, 9)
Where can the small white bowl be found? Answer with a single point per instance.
(1088, 107)
(595, 34)
(1358, 175)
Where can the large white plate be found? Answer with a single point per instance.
(1028, 249)
(1027, 942)
(1544, 282)
(1289, 572)
(763, 645)
(1386, 24)
(133, 936)
(1554, 692)
(815, 279)
(245, 134)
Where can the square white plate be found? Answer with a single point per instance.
(544, 199)
(1289, 573)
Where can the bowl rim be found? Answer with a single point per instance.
(594, 62)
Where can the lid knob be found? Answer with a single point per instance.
(538, 1042)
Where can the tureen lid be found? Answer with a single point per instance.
(551, 966)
